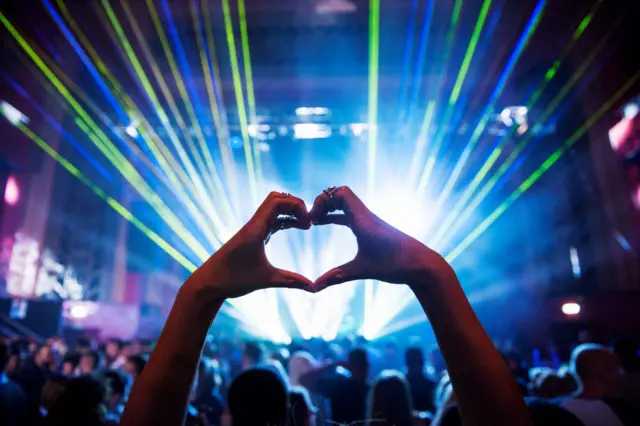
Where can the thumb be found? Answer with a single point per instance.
(350, 271)
(287, 279)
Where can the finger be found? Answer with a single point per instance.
(343, 199)
(286, 204)
(283, 223)
(333, 219)
(350, 271)
(287, 279)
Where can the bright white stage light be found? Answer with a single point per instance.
(571, 308)
(12, 114)
(307, 111)
(358, 128)
(79, 312)
(311, 131)
(256, 130)
(132, 130)
(631, 110)
(402, 211)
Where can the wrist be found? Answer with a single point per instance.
(433, 272)
(198, 288)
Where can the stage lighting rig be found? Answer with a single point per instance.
(519, 117)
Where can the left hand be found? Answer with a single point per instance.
(241, 266)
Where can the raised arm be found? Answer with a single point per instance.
(160, 395)
(486, 391)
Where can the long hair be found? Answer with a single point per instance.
(389, 402)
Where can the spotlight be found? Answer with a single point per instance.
(403, 211)
(11, 191)
(79, 312)
(358, 128)
(571, 308)
(308, 111)
(132, 130)
(311, 131)
(12, 114)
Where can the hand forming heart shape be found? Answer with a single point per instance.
(241, 266)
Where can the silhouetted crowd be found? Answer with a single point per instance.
(307, 383)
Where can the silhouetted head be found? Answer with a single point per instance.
(251, 355)
(414, 360)
(81, 404)
(358, 364)
(389, 401)
(300, 363)
(302, 411)
(134, 365)
(90, 361)
(51, 391)
(628, 352)
(258, 397)
(597, 368)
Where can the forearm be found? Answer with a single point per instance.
(484, 387)
(161, 393)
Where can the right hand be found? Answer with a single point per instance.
(384, 253)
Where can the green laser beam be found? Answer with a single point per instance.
(165, 159)
(493, 157)
(119, 208)
(242, 112)
(468, 56)
(117, 159)
(455, 94)
(222, 131)
(475, 137)
(545, 166)
(248, 75)
(374, 52)
(421, 145)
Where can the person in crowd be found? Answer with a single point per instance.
(251, 355)
(301, 408)
(133, 366)
(112, 352)
(90, 362)
(258, 397)
(597, 368)
(345, 388)
(548, 384)
(300, 364)
(598, 371)
(207, 396)
(13, 401)
(81, 404)
(628, 353)
(389, 401)
(277, 367)
(32, 377)
(115, 391)
(14, 364)
(391, 357)
(51, 391)
(69, 365)
(485, 389)
(421, 387)
(436, 366)
(82, 345)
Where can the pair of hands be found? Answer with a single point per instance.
(241, 266)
